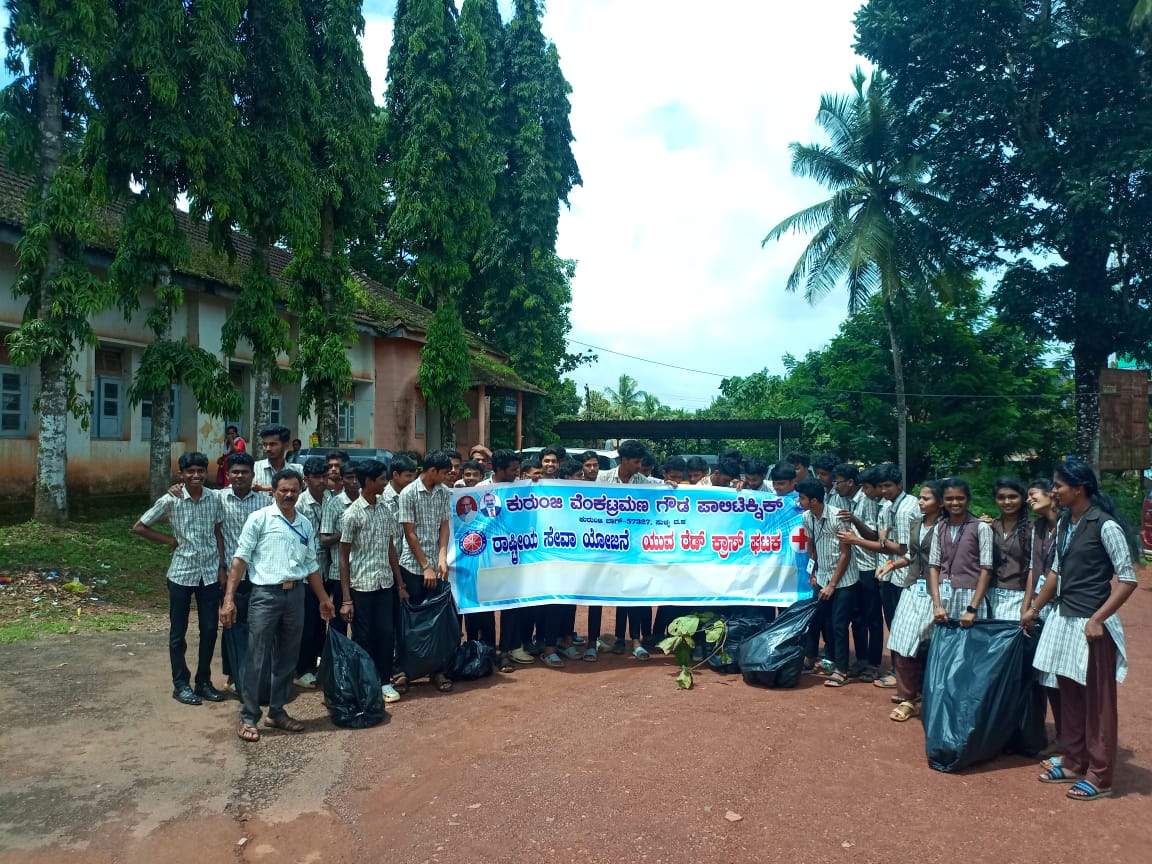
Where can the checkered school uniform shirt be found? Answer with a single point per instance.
(263, 471)
(236, 513)
(331, 522)
(868, 510)
(1063, 648)
(425, 510)
(612, 475)
(308, 506)
(895, 520)
(823, 533)
(275, 549)
(195, 560)
(368, 529)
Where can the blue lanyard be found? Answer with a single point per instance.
(303, 537)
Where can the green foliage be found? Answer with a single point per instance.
(1035, 120)
(169, 361)
(683, 633)
(445, 369)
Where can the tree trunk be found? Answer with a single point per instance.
(327, 399)
(160, 446)
(1088, 366)
(447, 432)
(51, 506)
(262, 381)
(901, 396)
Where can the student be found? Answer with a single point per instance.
(426, 519)
(590, 466)
(510, 647)
(551, 458)
(1011, 552)
(369, 573)
(1043, 503)
(727, 456)
(755, 474)
(823, 466)
(481, 454)
(648, 464)
(896, 515)
(800, 463)
(960, 561)
(726, 473)
(505, 468)
(912, 622)
(1082, 642)
(454, 474)
(401, 472)
(274, 441)
(674, 470)
(696, 469)
(531, 469)
(311, 506)
(830, 575)
(471, 473)
(859, 513)
(784, 479)
(197, 570)
(277, 549)
(331, 517)
(336, 460)
(297, 444)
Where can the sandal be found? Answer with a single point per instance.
(904, 711)
(552, 660)
(1059, 774)
(589, 655)
(284, 723)
(1052, 762)
(248, 733)
(888, 682)
(897, 699)
(1085, 791)
(506, 664)
(641, 653)
(836, 679)
(442, 683)
(400, 682)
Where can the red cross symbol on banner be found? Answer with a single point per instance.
(800, 540)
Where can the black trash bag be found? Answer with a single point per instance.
(975, 684)
(235, 640)
(1031, 737)
(742, 624)
(472, 660)
(429, 633)
(774, 657)
(350, 683)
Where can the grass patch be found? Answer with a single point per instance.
(119, 566)
(24, 629)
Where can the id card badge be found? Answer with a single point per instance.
(1040, 583)
(946, 590)
(811, 567)
(921, 588)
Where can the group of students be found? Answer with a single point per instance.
(366, 536)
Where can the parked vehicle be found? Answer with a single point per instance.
(608, 458)
(355, 454)
(1146, 525)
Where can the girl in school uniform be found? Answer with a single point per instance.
(1082, 642)
(1042, 503)
(960, 561)
(1012, 534)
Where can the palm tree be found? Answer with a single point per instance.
(873, 232)
(627, 400)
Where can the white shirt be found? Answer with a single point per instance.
(275, 549)
(264, 471)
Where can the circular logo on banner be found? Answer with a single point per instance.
(473, 543)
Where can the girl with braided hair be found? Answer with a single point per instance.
(1011, 551)
(1082, 642)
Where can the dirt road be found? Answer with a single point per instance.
(594, 763)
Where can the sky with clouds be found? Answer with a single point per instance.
(682, 114)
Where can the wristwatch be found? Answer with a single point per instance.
(970, 609)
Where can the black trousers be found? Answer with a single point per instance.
(595, 622)
(868, 620)
(838, 611)
(633, 621)
(240, 598)
(335, 590)
(511, 636)
(208, 617)
(480, 627)
(374, 627)
(889, 600)
(553, 623)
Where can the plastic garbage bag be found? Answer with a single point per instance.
(774, 657)
(742, 623)
(472, 660)
(235, 639)
(975, 685)
(1031, 737)
(429, 633)
(350, 683)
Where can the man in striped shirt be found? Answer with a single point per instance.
(830, 576)
(896, 515)
(197, 570)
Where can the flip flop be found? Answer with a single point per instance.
(1059, 774)
(836, 679)
(1085, 791)
(248, 733)
(641, 653)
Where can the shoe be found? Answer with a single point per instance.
(390, 694)
(589, 655)
(571, 652)
(521, 656)
(306, 680)
(535, 647)
(618, 647)
(552, 660)
(209, 693)
(184, 694)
